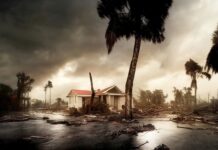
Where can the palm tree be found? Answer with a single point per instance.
(45, 89)
(211, 62)
(195, 70)
(143, 20)
(50, 85)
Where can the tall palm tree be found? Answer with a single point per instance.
(143, 20)
(45, 89)
(50, 85)
(212, 63)
(195, 70)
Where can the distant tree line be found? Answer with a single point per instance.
(16, 99)
(183, 96)
(147, 98)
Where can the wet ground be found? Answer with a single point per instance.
(38, 134)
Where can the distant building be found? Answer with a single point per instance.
(112, 96)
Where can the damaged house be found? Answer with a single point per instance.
(112, 96)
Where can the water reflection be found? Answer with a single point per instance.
(164, 130)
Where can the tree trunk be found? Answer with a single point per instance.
(50, 97)
(93, 91)
(130, 78)
(195, 96)
(196, 87)
(45, 99)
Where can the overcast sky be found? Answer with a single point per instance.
(63, 40)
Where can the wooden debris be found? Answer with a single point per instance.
(19, 119)
(162, 147)
(132, 130)
(45, 118)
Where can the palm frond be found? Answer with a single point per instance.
(111, 39)
(144, 18)
(215, 37)
(207, 75)
(212, 60)
(192, 67)
(109, 8)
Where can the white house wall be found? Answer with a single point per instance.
(121, 101)
(110, 101)
(75, 101)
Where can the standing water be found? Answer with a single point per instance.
(38, 134)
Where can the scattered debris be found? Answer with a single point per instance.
(115, 118)
(37, 139)
(162, 147)
(191, 119)
(45, 118)
(68, 122)
(18, 119)
(133, 130)
(137, 147)
(130, 121)
(57, 121)
(77, 123)
(90, 116)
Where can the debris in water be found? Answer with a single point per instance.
(162, 147)
(133, 130)
(137, 147)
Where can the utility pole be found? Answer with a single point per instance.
(208, 97)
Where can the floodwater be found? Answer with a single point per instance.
(38, 134)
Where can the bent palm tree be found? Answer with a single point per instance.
(144, 20)
(212, 57)
(195, 70)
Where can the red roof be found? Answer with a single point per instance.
(79, 92)
(88, 93)
(83, 92)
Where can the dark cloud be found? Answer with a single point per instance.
(45, 34)
(41, 36)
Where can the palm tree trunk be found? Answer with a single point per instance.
(50, 97)
(130, 78)
(93, 92)
(195, 96)
(45, 98)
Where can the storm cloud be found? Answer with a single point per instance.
(42, 37)
(45, 34)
